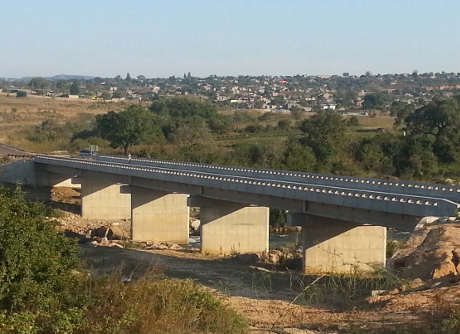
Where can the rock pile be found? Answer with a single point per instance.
(162, 245)
(280, 258)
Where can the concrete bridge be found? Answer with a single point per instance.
(344, 219)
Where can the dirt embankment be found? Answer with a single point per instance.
(432, 252)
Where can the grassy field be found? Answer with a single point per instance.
(19, 115)
(385, 122)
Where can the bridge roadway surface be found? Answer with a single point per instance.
(6, 150)
(395, 197)
(388, 186)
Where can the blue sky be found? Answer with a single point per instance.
(163, 38)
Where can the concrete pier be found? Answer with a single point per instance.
(341, 247)
(228, 227)
(159, 216)
(104, 196)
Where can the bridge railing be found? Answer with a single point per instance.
(449, 192)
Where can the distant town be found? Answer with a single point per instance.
(285, 94)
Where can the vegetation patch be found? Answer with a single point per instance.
(44, 289)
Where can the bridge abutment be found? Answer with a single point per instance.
(228, 227)
(331, 245)
(104, 196)
(159, 216)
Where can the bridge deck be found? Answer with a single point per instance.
(448, 192)
(269, 183)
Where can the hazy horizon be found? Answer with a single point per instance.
(251, 37)
(123, 75)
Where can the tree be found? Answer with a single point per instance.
(401, 111)
(440, 119)
(277, 218)
(417, 158)
(299, 158)
(375, 154)
(39, 83)
(373, 101)
(128, 127)
(182, 107)
(128, 77)
(284, 124)
(62, 85)
(74, 88)
(324, 133)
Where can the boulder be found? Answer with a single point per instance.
(443, 269)
(431, 252)
(195, 224)
(112, 232)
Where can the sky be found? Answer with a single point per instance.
(228, 37)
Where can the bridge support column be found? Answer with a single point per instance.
(104, 197)
(339, 246)
(228, 227)
(159, 216)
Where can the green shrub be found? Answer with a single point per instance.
(34, 258)
(42, 292)
(451, 324)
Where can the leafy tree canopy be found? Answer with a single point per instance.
(183, 108)
(39, 83)
(374, 101)
(74, 88)
(131, 126)
(324, 133)
(440, 119)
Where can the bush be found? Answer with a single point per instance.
(151, 306)
(34, 257)
(42, 292)
(36, 262)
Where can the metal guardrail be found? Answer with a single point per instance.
(349, 197)
(449, 192)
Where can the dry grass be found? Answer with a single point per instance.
(66, 107)
(385, 122)
(153, 305)
(17, 115)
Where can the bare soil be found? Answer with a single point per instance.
(264, 296)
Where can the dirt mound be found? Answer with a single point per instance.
(432, 251)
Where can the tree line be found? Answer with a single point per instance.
(424, 144)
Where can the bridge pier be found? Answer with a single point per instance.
(331, 245)
(104, 196)
(159, 216)
(228, 227)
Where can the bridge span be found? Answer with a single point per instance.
(344, 219)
